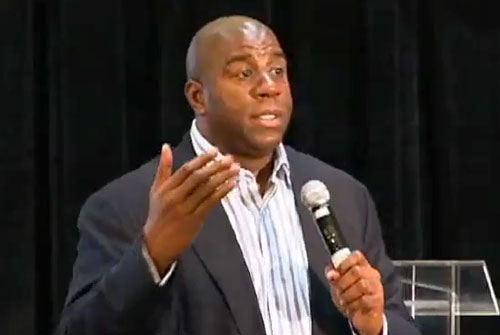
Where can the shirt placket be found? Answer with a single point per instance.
(252, 200)
(265, 219)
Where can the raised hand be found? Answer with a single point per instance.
(180, 202)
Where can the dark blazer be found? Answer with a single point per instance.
(210, 291)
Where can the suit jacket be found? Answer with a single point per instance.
(210, 291)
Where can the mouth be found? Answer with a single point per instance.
(269, 119)
(269, 116)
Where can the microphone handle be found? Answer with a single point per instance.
(331, 234)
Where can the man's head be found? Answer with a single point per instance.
(238, 87)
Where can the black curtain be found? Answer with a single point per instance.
(401, 94)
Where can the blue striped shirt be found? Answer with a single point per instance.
(269, 234)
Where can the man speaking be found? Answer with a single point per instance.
(211, 237)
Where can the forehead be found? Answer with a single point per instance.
(249, 37)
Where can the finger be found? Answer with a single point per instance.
(331, 274)
(365, 303)
(350, 277)
(164, 169)
(355, 258)
(213, 183)
(339, 303)
(357, 290)
(188, 168)
(209, 202)
(357, 273)
(203, 175)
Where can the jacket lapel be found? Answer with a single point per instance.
(326, 319)
(218, 249)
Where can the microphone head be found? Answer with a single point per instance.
(314, 194)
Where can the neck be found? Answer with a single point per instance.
(261, 168)
(257, 166)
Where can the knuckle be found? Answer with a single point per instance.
(214, 197)
(219, 167)
(363, 284)
(213, 181)
(356, 270)
(365, 300)
(221, 192)
(197, 175)
(355, 256)
(187, 168)
(359, 255)
(171, 212)
(372, 287)
(207, 186)
(167, 200)
(171, 203)
(160, 198)
(181, 209)
(354, 305)
(219, 163)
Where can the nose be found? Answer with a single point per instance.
(266, 87)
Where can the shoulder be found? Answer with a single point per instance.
(135, 181)
(125, 197)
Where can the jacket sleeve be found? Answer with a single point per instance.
(112, 290)
(398, 319)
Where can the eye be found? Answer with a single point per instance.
(277, 71)
(247, 73)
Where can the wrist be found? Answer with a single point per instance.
(380, 332)
(161, 260)
(376, 328)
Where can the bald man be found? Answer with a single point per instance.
(210, 238)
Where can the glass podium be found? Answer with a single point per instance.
(438, 293)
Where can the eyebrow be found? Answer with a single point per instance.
(242, 57)
(238, 58)
(279, 54)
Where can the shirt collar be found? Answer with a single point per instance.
(281, 165)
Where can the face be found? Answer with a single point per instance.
(246, 104)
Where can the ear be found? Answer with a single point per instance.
(194, 95)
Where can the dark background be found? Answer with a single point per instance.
(404, 95)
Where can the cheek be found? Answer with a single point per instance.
(234, 98)
(227, 107)
(287, 93)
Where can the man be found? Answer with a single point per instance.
(210, 238)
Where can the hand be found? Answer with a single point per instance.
(180, 202)
(358, 293)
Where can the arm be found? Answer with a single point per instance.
(112, 291)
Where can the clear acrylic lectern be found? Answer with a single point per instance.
(438, 293)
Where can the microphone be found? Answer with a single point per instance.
(315, 196)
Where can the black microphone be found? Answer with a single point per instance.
(315, 196)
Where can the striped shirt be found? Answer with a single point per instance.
(270, 237)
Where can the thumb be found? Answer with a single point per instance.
(164, 166)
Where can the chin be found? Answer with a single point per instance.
(266, 146)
